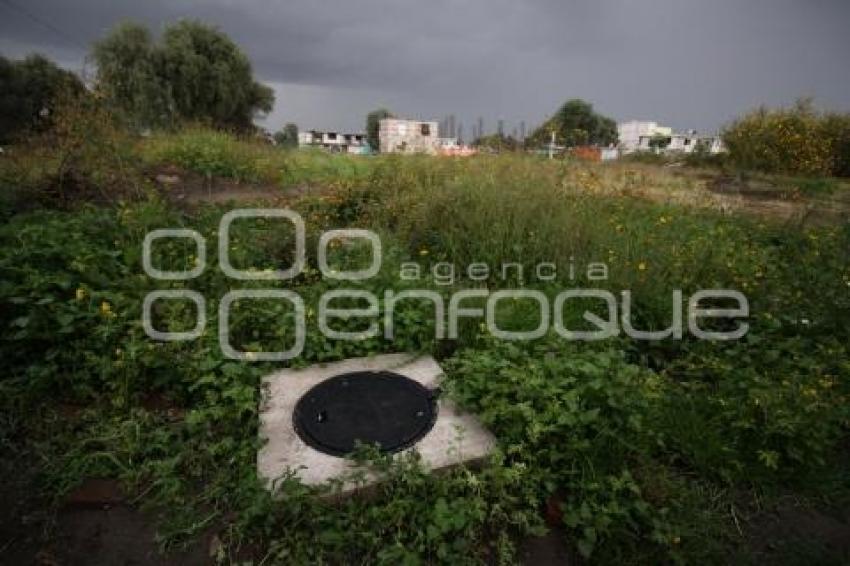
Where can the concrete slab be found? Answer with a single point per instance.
(456, 437)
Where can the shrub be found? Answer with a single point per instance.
(29, 90)
(215, 153)
(85, 155)
(836, 129)
(793, 141)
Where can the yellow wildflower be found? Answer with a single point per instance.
(642, 266)
(81, 294)
(106, 309)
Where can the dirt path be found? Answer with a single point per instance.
(776, 200)
(187, 188)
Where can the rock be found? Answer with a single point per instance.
(167, 179)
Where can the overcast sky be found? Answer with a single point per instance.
(684, 63)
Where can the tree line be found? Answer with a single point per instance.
(193, 73)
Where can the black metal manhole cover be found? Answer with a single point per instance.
(379, 407)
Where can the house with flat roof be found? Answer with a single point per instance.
(335, 142)
(682, 142)
(637, 135)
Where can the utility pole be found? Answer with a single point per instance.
(552, 146)
(480, 127)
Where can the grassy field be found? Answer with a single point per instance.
(635, 452)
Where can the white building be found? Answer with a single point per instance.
(448, 143)
(638, 135)
(408, 136)
(334, 141)
(630, 134)
(686, 142)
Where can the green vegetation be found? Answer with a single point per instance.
(217, 154)
(576, 124)
(644, 450)
(195, 74)
(373, 125)
(795, 141)
(288, 136)
(659, 142)
(497, 142)
(29, 91)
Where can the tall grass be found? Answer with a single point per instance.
(215, 153)
(221, 154)
(515, 210)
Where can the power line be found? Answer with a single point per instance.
(46, 24)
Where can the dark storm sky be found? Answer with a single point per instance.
(684, 63)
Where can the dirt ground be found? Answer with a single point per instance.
(757, 197)
(191, 189)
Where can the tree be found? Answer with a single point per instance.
(129, 76)
(606, 131)
(373, 125)
(29, 92)
(209, 78)
(575, 123)
(542, 135)
(578, 124)
(196, 73)
(659, 142)
(288, 136)
(497, 142)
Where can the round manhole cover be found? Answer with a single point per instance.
(379, 407)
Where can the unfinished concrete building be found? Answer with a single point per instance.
(408, 136)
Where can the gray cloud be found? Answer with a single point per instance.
(682, 62)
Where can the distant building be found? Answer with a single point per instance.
(334, 141)
(630, 134)
(638, 136)
(448, 143)
(408, 136)
(683, 142)
(452, 147)
(609, 153)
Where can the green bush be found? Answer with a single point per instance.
(216, 153)
(576, 418)
(795, 141)
(836, 128)
(85, 155)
